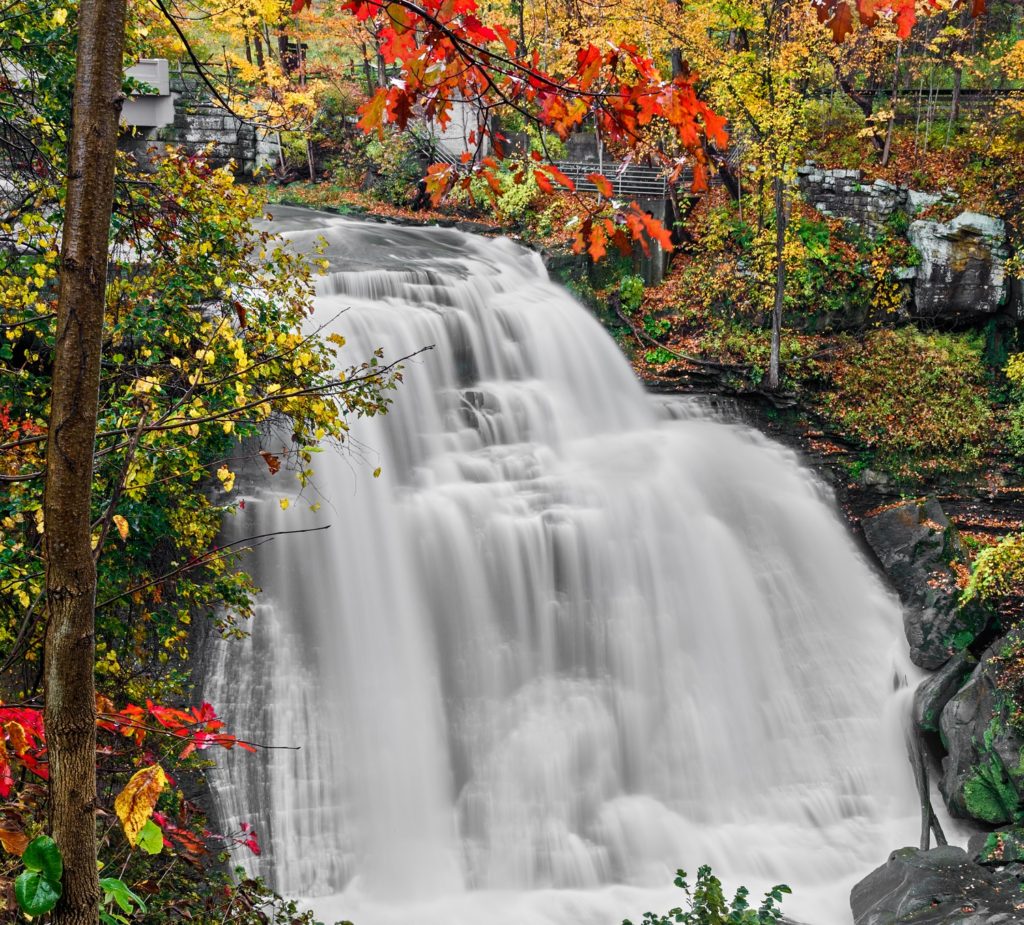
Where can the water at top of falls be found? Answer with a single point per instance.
(566, 643)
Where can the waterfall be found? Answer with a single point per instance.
(572, 638)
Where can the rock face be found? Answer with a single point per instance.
(935, 691)
(844, 194)
(916, 544)
(996, 849)
(983, 772)
(938, 887)
(962, 274)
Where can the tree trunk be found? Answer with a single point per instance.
(367, 70)
(258, 43)
(887, 147)
(70, 702)
(780, 285)
(865, 102)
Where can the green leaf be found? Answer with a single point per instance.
(118, 891)
(35, 892)
(151, 839)
(43, 855)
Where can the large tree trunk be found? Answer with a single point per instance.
(70, 702)
(780, 285)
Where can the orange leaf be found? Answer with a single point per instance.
(543, 182)
(603, 184)
(866, 12)
(6, 777)
(19, 740)
(14, 841)
(714, 128)
(906, 16)
(373, 113)
(559, 177)
(841, 22)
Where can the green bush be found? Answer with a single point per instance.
(396, 168)
(918, 401)
(631, 291)
(706, 904)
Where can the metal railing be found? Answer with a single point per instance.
(628, 181)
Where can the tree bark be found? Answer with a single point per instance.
(780, 285)
(70, 702)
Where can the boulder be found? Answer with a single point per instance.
(983, 772)
(996, 849)
(916, 545)
(918, 201)
(935, 691)
(962, 274)
(937, 887)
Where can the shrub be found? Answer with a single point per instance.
(631, 290)
(917, 400)
(706, 904)
(396, 167)
(998, 570)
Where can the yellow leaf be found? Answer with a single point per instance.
(227, 478)
(284, 504)
(135, 804)
(122, 526)
(376, 472)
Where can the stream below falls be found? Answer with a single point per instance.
(573, 638)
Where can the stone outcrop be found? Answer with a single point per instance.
(916, 545)
(938, 887)
(962, 273)
(982, 774)
(844, 194)
(961, 276)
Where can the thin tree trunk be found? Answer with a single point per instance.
(70, 700)
(780, 285)
(917, 124)
(258, 43)
(887, 149)
(367, 70)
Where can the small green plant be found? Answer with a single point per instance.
(657, 327)
(658, 357)
(706, 904)
(38, 887)
(118, 902)
(898, 222)
(631, 291)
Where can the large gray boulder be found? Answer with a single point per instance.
(935, 691)
(962, 274)
(916, 545)
(938, 887)
(983, 771)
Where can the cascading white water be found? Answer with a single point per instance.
(570, 640)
